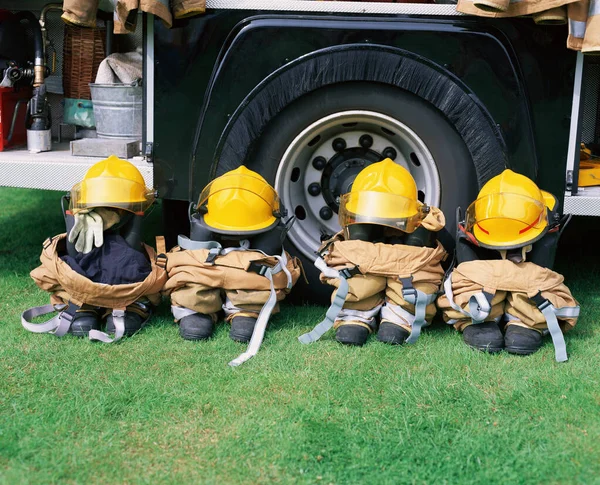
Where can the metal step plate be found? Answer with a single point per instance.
(54, 170)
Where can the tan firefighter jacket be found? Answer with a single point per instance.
(83, 12)
(69, 288)
(583, 17)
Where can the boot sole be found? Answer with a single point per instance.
(81, 333)
(487, 349)
(520, 351)
(128, 333)
(238, 338)
(391, 341)
(190, 336)
(353, 343)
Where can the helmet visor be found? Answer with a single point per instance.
(118, 193)
(243, 184)
(381, 208)
(505, 220)
(239, 203)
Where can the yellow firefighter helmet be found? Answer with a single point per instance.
(240, 202)
(509, 212)
(112, 183)
(383, 193)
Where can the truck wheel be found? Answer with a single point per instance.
(313, 149)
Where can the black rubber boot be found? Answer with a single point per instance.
(352, 335)
(390, 333)
(198, 326)
(242, 328)
(486, 337)
(133, 323)
(83, 322)
(522, 341)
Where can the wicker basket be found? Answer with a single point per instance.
(84, 50)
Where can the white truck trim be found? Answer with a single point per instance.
(335, 7)
(149, 79)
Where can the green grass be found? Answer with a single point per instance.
(157, 409)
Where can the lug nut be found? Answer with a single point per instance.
(319, 163)
(366, 141)
(339, 144)
(389, 152)
(314, 189)
(326, 213)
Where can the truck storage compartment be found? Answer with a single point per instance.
(72, 56)
(583, 169)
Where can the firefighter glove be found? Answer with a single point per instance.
(87, 231)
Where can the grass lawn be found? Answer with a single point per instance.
(157, 409)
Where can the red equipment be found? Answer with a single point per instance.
(13, 110)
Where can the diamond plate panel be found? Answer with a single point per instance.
(55, 170)
(585, 203)
(343, 7)
(591, 88)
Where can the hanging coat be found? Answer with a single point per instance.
(583, 17)
(83, 12)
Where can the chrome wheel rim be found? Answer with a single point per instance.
(322, 161)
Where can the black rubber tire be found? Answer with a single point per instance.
(453, 160)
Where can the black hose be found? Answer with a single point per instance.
(38, 43)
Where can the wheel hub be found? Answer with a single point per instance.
(341, 170)
(322, 162)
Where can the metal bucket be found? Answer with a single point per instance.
(118, 110)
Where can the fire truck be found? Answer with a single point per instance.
(309, 92)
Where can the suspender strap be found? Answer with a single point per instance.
(260, 269)
(119, 321)
(338, 301)
(450, 295)
(348, 273)
(212, 255)
(214, 248)
(161, 247)
(480, 304)
(260, 326)
(551, 314)
(185, 242)
(261, 322)
(161, 250)
(58, 325)
(420, 300)
(265, 312)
